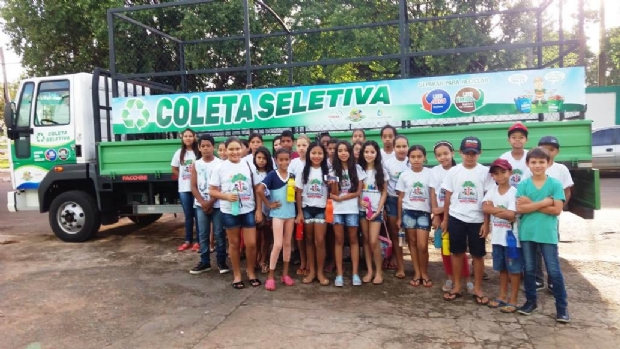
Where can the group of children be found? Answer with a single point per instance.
(329, 189)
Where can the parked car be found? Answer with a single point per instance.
(605, 148)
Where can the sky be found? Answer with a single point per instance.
(612, 19)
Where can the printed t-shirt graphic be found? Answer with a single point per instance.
(520, 171)
(438, 173)
(203, 172)
(370, 189)
(467, 187)
(236, 178)
(314, 193)
(499, 226)
(415, 189)
(351, 205)
(394, 168)
(185, 169)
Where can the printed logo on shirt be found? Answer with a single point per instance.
(370, 187)
(396, 175)
(442, 195)
(515, 179)
(203, 185)
(418, 193)
(187, 170)
(346, 183)
(499, 222)
(315, 189)
(240, 185)
(469, 193)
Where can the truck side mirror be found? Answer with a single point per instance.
(9, 114)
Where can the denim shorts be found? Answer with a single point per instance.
(391, 206)
(245, 220)
(379, 217)
(348, 219)
(501, 261)
(416, 220)
(314, 214)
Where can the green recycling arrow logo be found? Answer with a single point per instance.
(135, 114)
(40, 137)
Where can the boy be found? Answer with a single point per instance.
(331, 152)
(286, 141)
(388, 134)
(465, 185)
(517, 137)
(540, 200)
(500, 203)
(324, 139)
(207, 208)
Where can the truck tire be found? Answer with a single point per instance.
(144, 220)
(74, 216)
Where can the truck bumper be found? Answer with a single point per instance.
(22, 200)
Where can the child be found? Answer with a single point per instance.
(375, 189)
(359, 135)
(331, 152)
(468, 226)
(181, 168)
(255, 141)
(207, 208)
(264, 236)
(414, 212)
(286, 141)
(444, 153)
(235, 182)
(345, 193)
(500, 203)
(297, 166)
(283, 215)
(388, 136)
(394, 167)
(311, 198)
(517, 137)
(221, 151)
(540, 200)
(276, 145)
(331, 243)
(324, 139)
(561, 173)
(357, 148)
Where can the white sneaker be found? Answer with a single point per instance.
(447, 287)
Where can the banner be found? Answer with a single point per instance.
(361, 104)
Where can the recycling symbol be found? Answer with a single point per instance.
(135, 114)
(40, 137)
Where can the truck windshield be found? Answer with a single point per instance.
(53, 104)
(24, 104)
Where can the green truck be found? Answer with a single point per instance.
(88, 159)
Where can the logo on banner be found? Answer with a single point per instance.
(436, 102)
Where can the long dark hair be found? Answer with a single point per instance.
(351, 166)
(378, 163)
(267, 155)
(194, 146)
(308, 164)
(273, 147)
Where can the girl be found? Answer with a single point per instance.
(276, 146)
(444, 153)
(311, 201)
(182, 168)
(255, 141)
(414, 212)
(296, 167)
(357, 148)
(264, 236)
(359, 135)
(375, 189)
(388, 136)
(234, 184)
(394, 167)
(221, 151)
(345, 192)
(283, 216)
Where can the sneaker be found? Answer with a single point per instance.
(447, 287)
(540, 286)
(562, 316)
(356, 280)
(223, 268)
(196, 247)
(185, 246)
(200, 268)
(550, 288)
(528, 308)
(339, 281)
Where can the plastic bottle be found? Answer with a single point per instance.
(511, 241)
(438, 237)
(234, 210)
(329, 212)
(369, 211)
(445, 244)
(290, 190)
(402, 240)
(299, 232)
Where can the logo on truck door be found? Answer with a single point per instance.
(134, 178)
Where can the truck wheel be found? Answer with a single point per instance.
(144, 220)
(74, 216)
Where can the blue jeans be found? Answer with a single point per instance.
(552, 264)
(204, 224)
(187, 202)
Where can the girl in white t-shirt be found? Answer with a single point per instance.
(374, 194)
(388, 137)
(345, 192)
(264, 234)
(296, 167)
(414, 212)
(234, 184)
(182, 162)
(311, 198)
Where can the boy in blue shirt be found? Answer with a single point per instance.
(540, 200)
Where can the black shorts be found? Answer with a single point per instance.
(463, 234)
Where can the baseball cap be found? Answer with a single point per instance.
(549, 140)
(471, 144)
(501, 163)
(517, 127)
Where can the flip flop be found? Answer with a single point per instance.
(508, 308)
(255, 282)
(427, 282)
(481, 300)
(415, 282)
(239, 285)
(450, 296)
(496, 303)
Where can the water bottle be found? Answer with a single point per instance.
(329, 212)
(290, 190)
(511, 241)
(234, 210)
(369, 211)
(402, 240)
(445, 244)
(438, 237)
(299, 232)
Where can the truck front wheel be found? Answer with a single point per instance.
(74, 216)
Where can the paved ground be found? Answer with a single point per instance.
(130, 289)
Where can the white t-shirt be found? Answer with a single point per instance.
(561, 173)
(237, 177)
(351, 205)
(249, 158)
(520, 171)
(468, 187)
(204, 171)
(296, 166)
(314, 192)
(185, 169)
(385, 156)
(394, 168)
(416, 186)
(370, 189)
(500, 226)
(438, 173)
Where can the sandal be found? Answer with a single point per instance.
(308, 280)
(508, 308)
(255, 282)
(287, 281)
(324, 282)
(391, 266)
(264, 268)
(374, 282)
(496, 303)
(450, 296)
(400, 275)
(427, 282)
(239, 285)
(270, 285)
(415, 282)
(481, 300)
(303, 272)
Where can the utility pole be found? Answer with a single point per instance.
(7, 98)
(602, 56)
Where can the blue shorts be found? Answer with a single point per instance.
(416, 220)
(246, 220)
(379, 217)
(501, 261)
(391, 206)
(314, 214)
(348, 219)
